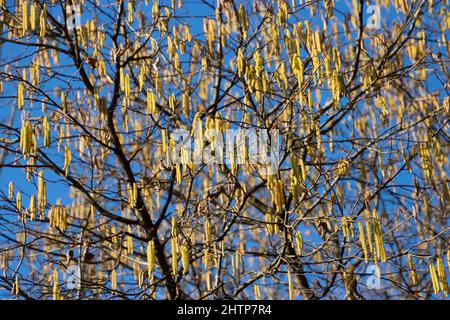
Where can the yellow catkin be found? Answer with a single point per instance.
(20, 95)
(19, 202)
(174, 227)
(185, 257)
(412, 267)
(26, 138)
(257, 292)
(174, 256)
(11, 190)
(130, 11)
(33, 207)
(172, 102)
(141, 78)
(47, 134)
(34, 16)
(178, 173)
(151, 259)
(241, 65)
(114, 280)
(16, 286)
(151, 102)
(127, 86)
(303, 169)
(291, 286)
(186, 103)
(344, 225)
(362, 239)
(379, 242)
(43, 21)
(434, 278)
(448, 259)
(135, 194)
(299, 243)
(130, 246)
(369, 236)
(42, 191)
(55, 284)
(67, 159)
(25, 17)
(442, 276)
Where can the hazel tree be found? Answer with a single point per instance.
(127, 149)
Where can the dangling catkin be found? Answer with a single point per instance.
(33, 207)
(67, 159)
(47, 134)
(442, 276)
(299, 243)
(20, 95)
(25, 17)
(434, 278)
(55, 284)
(291, 286)
(174, 256)
(185, 257)
(257, 292)
(362, 239)
(114, 279)
(11, 190)
(151, 258)
(19, 202)
(127, 87)
(151, 102)
(412, 267)
(43, 21)
(42, 191)
(16, 286)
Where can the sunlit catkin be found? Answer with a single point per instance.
(55, 284)
(25, 17)
(413, 272)
(114, 280)
(299, 243)
(127, 86)
(33, 207)
(129, 239)
(47, 134)
(43, 21)
(42, 192)
(362, 239)
(185, 257)
(442, 276)
(379, 242)
(26, 138)
(20, 95)
(16, 286)
(34, 15)
(178, 173)
(151, 102)
(11, 190)
(67, 159)
(19, 202)
(151, 259)
(174, 246)
(434, 278)
(257, 292)
(291, 286)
